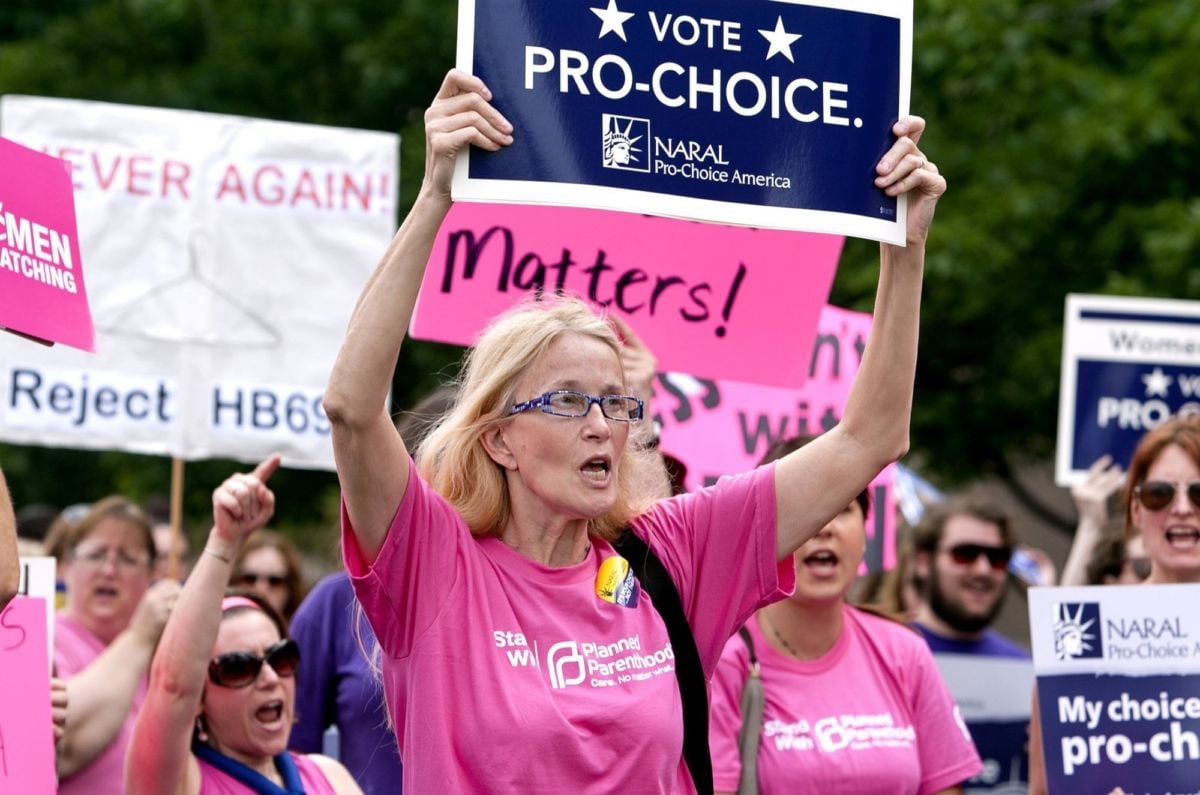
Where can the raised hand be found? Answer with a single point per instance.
(243, 503)
(905, 169)
(154, 609)
(1104, 478)
(461, 114)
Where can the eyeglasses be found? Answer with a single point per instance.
(1140, 566)
(567, 403)
(251, 578)
(1158, 494)
(95, 557)
(241, 668)
(967, 554)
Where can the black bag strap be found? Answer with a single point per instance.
(693, 689)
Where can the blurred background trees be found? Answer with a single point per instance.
(1069, 131)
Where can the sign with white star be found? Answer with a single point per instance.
(760, 113)
(1128, 365)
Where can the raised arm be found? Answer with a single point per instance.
(821, 478)
(372, 461)
(160, 758)
(1104, 478)
(10, 571)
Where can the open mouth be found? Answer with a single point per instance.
(270, 713)
(822, 562)
(104, 592)
(1183, 537)
(597, 469)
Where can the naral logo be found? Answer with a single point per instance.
(1077, 630)
(621, 136)
(558, 658)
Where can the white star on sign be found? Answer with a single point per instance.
(781, 41)
(1157, 383)
(614, 20)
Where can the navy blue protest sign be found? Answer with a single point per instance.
(762, 113)
(1118, 683)
(1129, 364)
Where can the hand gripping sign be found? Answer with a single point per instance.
(763, 113)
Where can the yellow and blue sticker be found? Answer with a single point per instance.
(615, 582)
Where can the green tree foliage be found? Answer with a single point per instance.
(1069, 131)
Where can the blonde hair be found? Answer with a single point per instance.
(452, 458)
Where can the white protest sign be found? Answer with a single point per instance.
(224, 257)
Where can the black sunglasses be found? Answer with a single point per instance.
(249, 578)
(967, 554)
(241, 668)
(1158, 494)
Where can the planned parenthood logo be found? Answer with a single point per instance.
(1077, 631)
(626, 142)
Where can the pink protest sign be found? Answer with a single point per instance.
(713, 300)
(26, 735)
(719, 427)
(41, 273)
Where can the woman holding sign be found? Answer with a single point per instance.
(518, 651)
(223, 683)
(1162, 502)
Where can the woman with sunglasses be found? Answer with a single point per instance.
(816, 695)
(222, 691)
(1162, 502)
(518, 653)
(270, 565)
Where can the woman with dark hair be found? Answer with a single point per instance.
(841, 700)
(104, 639)
(270, 565)
(517, 651)
(222, 688)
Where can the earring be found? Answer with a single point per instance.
(201, 732)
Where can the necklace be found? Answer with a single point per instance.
(778, 635)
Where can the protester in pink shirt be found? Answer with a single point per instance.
(518, 652)
(104, 639)
(222, 694)
(850, 702)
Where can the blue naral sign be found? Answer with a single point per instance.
(760, 113)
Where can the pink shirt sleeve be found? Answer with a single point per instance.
(417, 566)
(719, 546)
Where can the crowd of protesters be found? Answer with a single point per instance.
(532, 514)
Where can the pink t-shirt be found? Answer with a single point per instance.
(214, 782)
(502, 675)
(871, 716)
(74, 649)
